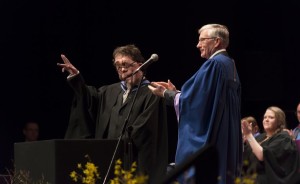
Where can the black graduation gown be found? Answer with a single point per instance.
(281, 160)
(100, 113)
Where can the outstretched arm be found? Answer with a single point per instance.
(159, 88)
(164, 89)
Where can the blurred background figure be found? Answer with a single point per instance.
(296, 130)
(31, 131)
(247, 166)
(255, 128)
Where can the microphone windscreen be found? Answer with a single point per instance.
(154, 57)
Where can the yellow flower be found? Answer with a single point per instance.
(246, 162)
(74, 176)
(127, 177)
(118, 162)
(246, 178)
(90, 173)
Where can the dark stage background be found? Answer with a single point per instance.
(264, 44)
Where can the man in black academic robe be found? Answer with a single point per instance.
(101, 113)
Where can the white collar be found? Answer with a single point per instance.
(218, 51)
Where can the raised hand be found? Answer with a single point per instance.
(246, 127)
(67, 65)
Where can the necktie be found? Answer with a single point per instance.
(125, 95)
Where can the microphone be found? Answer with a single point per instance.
(144, 66)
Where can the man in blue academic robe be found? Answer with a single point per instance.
(208, 105)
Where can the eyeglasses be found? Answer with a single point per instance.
(124, 65)
(202, 39)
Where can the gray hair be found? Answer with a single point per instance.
(218, 31)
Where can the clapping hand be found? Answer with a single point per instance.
(158, 88)
(246, 127)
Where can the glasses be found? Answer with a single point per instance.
(208, 38)
(124, 65)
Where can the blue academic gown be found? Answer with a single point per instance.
(209, 113)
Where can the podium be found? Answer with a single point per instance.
(54, 160)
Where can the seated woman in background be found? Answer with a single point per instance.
(255, 128)
(273, 153)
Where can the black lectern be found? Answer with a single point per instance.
(53, 160)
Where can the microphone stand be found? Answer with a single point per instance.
(129, 129)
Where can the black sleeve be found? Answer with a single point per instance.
(170, 96)
(281, 159)
(83, 110)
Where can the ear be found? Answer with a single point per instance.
(255, 128)
(218, 42)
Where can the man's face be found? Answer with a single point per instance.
(125, 66)
(206, 44)
(298, 112)
(31, 132)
